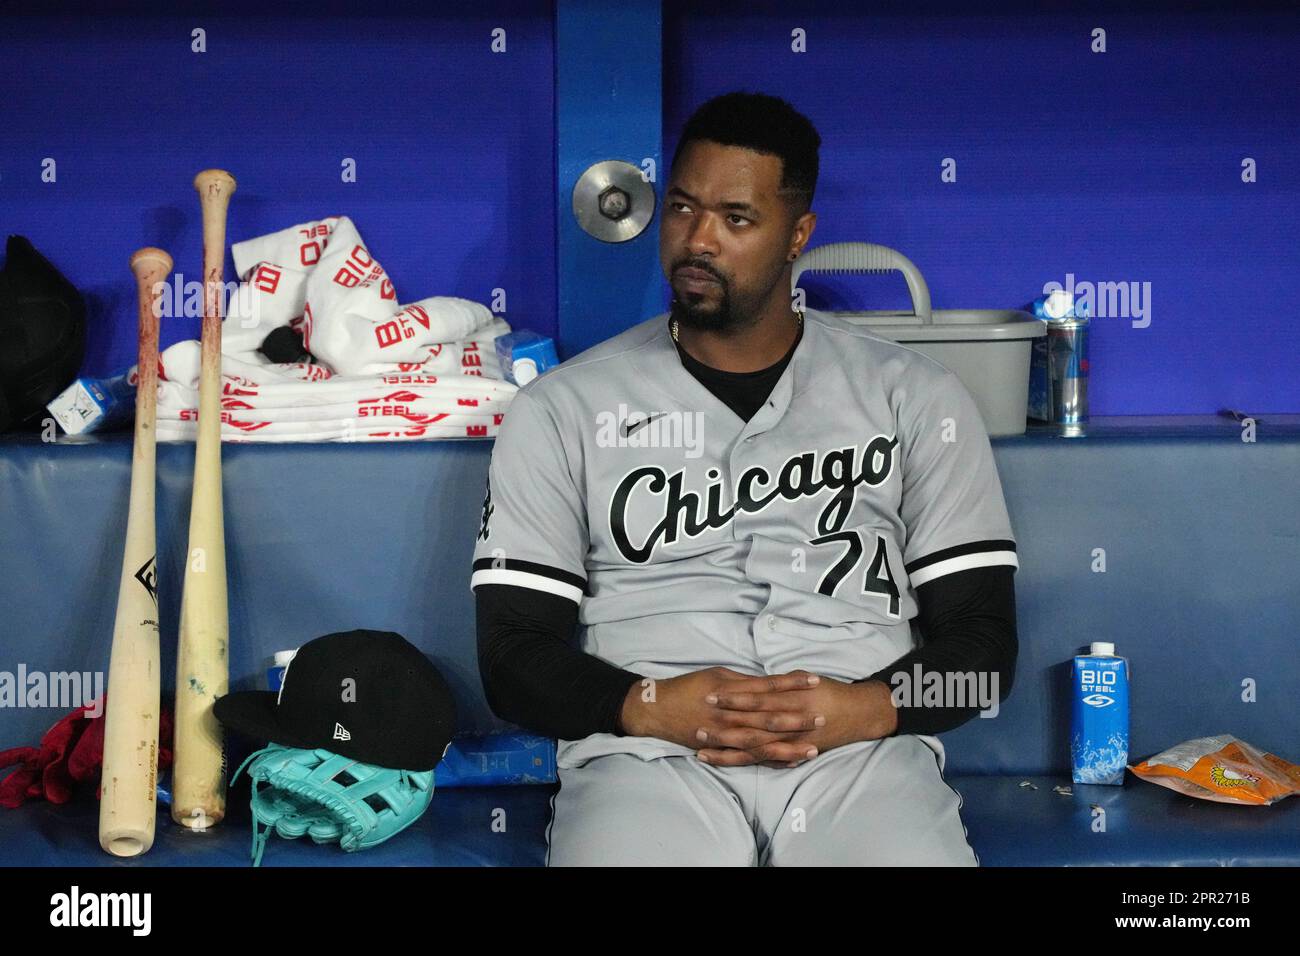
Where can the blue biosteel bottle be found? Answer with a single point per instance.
(483, 760)
(524, 355)
(1099, 716)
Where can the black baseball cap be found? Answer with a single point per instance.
(369, 695)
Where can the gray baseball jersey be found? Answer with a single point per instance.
(690, 538)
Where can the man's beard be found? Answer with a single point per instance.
(700, 312)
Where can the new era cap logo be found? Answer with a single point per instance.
(341, 732)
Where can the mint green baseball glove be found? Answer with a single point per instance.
(330, 798)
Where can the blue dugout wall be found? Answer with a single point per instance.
(1150, 153)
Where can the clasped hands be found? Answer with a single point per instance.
(777, 720)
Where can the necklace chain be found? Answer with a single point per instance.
(673, 325)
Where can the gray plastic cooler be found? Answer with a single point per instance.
(988, 349)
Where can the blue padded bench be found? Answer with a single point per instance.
(1202, 546)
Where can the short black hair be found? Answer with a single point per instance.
(765, 124)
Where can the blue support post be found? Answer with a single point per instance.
(608, 104)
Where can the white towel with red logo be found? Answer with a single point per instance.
(321, 273)
(303, 402)
(386, 372)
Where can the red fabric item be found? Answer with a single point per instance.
(71, 752)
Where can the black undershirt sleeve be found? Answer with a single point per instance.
(968, 624)
(533, 676)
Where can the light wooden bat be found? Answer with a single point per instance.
(202, 670)
(127, 807)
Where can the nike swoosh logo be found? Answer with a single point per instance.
(627, 428)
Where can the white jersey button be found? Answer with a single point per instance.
(771, 622)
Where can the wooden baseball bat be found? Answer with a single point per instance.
(202, 670)
(127, 807)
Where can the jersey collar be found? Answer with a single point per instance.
(684, 388)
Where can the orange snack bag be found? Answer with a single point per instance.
(1224, 769)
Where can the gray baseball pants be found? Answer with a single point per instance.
(871, 803)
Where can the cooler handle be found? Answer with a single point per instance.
(868, 257)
